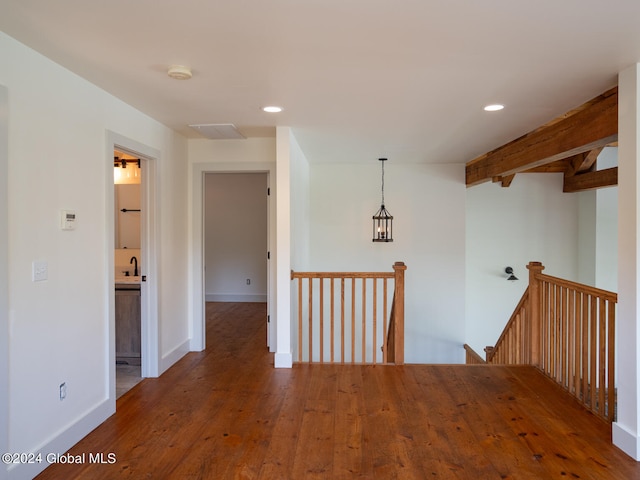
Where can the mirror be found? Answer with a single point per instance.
(127, 215)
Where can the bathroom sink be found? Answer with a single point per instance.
(130, 279)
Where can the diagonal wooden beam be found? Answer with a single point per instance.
(583, 162)
(592, 126)
(504, 181)
(591, 180)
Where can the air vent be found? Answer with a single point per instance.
(218, 131)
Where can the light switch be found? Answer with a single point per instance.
(40, 271)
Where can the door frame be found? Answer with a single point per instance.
(197, 310)
(150, 344)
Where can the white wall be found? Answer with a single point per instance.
(59, 329)
(4, 276)
(532, 220)
(427, 202)
(606, 258)
(587, 236)
(300, 208)
(626, 430)
(236, 237)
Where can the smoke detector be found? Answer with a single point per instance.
(179, 72)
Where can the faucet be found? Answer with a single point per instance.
(134, 260)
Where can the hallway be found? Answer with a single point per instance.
(226, 413)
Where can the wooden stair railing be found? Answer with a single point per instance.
(567, 330)
(472, 357)
(342, 309)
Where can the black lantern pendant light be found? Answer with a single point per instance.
(382, 220)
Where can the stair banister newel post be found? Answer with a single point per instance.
(534, 310)
(399, 268)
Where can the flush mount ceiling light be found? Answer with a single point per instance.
(272, 109)
(179, 72)
(382, 220)
(495, 107)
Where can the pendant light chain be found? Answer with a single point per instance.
(382, 183)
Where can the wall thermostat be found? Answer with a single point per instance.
(67, 219)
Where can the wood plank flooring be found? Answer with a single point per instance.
(226, 413)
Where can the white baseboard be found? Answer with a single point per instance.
(625, 440)
(174, 355)
(224, 297)
(283, 360)
(64, 440)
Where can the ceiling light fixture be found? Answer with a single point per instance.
(124, 172)
(382, 220)
(493, 108)
(179, 72)
(272, 109)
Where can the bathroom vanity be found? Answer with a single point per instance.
(128, 335)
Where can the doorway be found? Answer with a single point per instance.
(124, 246)
(127, 175)
(236, 237)
(198, 311)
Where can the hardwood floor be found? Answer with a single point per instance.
(226, 413)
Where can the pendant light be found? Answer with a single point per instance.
(382, 220)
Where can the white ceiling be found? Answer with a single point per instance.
(359, 79)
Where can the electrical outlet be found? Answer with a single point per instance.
(248, 281)
(63, 391)
(39, 271)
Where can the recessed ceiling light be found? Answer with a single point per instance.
(272, 109)
(493, 108)
(179, 72)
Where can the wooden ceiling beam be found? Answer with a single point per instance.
(592, 126)
(591, 180)
(560, 166)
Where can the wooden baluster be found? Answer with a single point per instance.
(593, 349)
(561, 335)
(544, 321)
(353, 320)
(332, 321)
(585, 348)
(321, 320)
(310, 320)
(602, 356)
(342, 320)
(517, 341)
(577, 321)
(300, 319)
(611, 337)
(374, 329)
(364, 320)
(555, 331)
(571, 343)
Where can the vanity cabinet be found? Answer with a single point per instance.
(128, 334)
